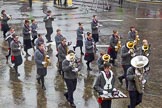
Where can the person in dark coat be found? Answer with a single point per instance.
(94, 27)
(16, 57)
(48, 25)
(4, 25)
(104, 84)
(62, 52)
(80, 35)
(26, 37)
(34, 28)
(9, 37)
(39, 57)
(70, 76)
(89, 50)
(125, 62)
(134, 95)
(113, 46)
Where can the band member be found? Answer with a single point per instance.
(62, 52)
(39, 40)
(125, 60)
(94, 27)
(34, 28)
(104, 84)
(145, 49)
(135, 96)
(9, 37)
(89, 50)
(4, 25)
(39, 57)
(133, 35)
(70, 76)
(16, 57)
(80, 35)
(26, 37)
(48, 24)
(58, 38)
(113, 49)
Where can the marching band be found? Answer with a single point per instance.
(135, 66)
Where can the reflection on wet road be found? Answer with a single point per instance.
(24, 92)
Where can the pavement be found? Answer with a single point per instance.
(24, 92)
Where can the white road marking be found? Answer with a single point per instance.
(147, 18)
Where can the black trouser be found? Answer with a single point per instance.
(30, 3)
(4, 33)
(65, 2)
(135, 99)
(41, 78)
(34, 37)
(125, 68)
(9, 53)
(120, 2)
(106, 104)
(71, 86)
(49, 32)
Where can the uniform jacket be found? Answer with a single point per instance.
(4, 22)
(9, 38)
(79, 33)
(94, 27)
(89, 47)
(67, 68)
(130, 77)
(113, 41)
(100, 83)
(100, 64)
(58, 40)
(125, 56)
(48, 21)
(62, 52)
(34, 28)
(26, 34)
(131, 35)
(39, 58)
(15, 51)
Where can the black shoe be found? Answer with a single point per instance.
(49, 41)
(66, 96)
(82, 53)
(43, 87)
(18, 74)
(74, 48)
(120, 80)
(89, 69)
(38, 80)
(72, 105)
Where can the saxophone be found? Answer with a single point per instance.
(47, 60)
(118, 44)
(136, 38)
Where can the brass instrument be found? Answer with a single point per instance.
(139, 62)
(106, 58)
(118, 44)
(47, 60)
(136, 38)
(145, 49)
(130, 45)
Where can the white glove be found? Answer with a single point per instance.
(75, 70)
(96, 26)
(83, 35)
(19, 48)
(43, 62)
(105, 92)
(147, 54)
(29, 31)
(116, 46)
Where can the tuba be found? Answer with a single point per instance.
(130, 45)
(139, 62)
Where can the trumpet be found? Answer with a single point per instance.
(145, 49)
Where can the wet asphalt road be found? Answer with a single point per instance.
(23, 92)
